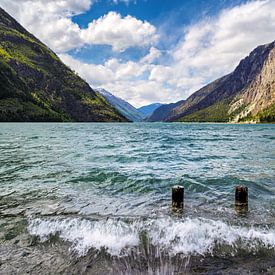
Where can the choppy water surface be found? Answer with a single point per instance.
(95, 198)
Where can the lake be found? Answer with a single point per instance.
(90, 198)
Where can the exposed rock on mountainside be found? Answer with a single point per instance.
(36, 86)
(125, 108)
(257, 101)
(247, 94)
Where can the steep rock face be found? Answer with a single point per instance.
(259, 95)
(162, 112)
(125, 108)
(36, 86)
(234, 97)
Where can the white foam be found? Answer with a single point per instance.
(201, 236)
(189, 236)
(84, 234)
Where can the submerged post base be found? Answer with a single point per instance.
(177, 198)
(241, 199)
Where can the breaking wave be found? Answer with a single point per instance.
(187, 237)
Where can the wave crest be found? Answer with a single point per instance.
(187, 237)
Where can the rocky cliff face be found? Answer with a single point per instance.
(36, 86)
(259, 96)
(245, 94)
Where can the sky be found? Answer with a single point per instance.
(148, 51)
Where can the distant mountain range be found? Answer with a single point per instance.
(247, 94)
(36, 86)
(148, 110)
(125, 108)
(161, 113)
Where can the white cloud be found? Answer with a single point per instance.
(51, 21)
(61, 7)
(110, 71)
(121, 33)
(161, 73)
(153, 54)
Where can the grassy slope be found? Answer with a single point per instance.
(215, 113)
(36, 86)
(219, 113)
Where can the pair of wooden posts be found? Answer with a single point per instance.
(241, 198)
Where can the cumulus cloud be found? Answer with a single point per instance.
(153, 54)
(121, 33)
(112, 70)
(51, 21)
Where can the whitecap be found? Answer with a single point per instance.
(112, 235)
(188, 237)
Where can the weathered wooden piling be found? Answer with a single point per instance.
(241, 199)
(177, 198)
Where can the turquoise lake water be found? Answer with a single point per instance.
(95, 198)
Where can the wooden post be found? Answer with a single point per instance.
(177, 198)
(241, 199)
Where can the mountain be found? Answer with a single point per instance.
(125, 108)
(149, 109)
(246, 94)
(36, 86)
(161, 113)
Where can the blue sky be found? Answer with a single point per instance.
(166, 15)
(157, 11)
(147, 51)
